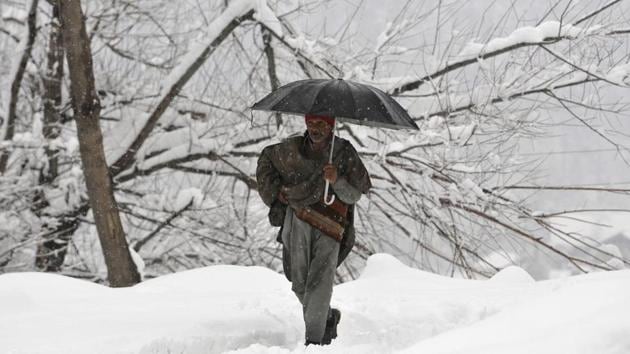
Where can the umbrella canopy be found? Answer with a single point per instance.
(345, 100)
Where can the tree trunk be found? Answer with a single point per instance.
(52, 94)
(52, 251)
(7, 129)
(66, 224)
(121, 270)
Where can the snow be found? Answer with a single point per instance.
(525, 34)
(391, 308)
(235, 9)
(265, 15)
(473, 187)
(6, 97)
(137, 260)
(434, 132)
(164, 140)
(129, 128)
(522, 35)
(117, 140)
(620, 75)
(465, 168)
(512, 274)
(14, 13)
(363, 74)
(67, 194)
(306, 46)
(389, 32)
(187, 196)
(605, 225)
(186, 148)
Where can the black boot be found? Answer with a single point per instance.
(331, 326)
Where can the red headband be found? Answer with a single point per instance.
(329, 120)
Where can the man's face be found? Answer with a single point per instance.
(318, 130)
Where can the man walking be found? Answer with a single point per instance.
(316, 237)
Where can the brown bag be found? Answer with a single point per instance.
(329, 219)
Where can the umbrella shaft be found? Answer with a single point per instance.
(332, 143)
(332, 147)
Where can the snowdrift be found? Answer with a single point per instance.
(391, 308)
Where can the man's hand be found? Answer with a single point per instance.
(330, 173)
(282, 198)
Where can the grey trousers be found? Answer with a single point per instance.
(313, 261)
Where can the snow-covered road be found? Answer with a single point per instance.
(391, 308)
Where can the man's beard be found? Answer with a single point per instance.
(318, 137)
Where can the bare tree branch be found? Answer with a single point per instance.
(460, 64)
(567, 188)
(597, 12)
(271, 65)
(138, 245)
(128, 158)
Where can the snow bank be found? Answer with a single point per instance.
(391, 308)
(512, 275)
(580, 315)
(209, 310)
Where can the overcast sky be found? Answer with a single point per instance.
(574, 155)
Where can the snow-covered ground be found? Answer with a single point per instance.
(391, 308)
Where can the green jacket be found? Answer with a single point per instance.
(286, 164)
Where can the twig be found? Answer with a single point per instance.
(138, 245)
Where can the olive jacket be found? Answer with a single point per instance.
(286, 165)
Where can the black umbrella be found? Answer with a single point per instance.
(347, 101)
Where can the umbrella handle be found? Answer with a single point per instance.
(332, 147)
(332, 196)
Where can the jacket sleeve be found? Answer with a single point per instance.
(354, 171)
(267, 177)
(345, 191)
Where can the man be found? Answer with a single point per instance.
(316, 237)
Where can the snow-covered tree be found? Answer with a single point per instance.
(175, 82)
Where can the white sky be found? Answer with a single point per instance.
(575, 155)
